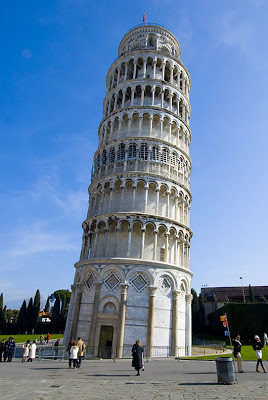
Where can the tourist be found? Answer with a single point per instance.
(257, 346)
(265, 339)
(2, 349)
(137, 352)
(56, 348)
(81, 348)
(25, 353)
(48, 337)
(42, 339)
(10, 349)
(32, 351)
(237, 352)
(73, 355)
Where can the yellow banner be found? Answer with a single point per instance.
(223, 317)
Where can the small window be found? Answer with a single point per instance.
(144, 152)
(112, 155)
(132, 151)
(121, 152)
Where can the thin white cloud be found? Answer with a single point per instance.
(37, 238)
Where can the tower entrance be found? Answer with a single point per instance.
(106, 340)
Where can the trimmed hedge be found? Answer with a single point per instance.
(245, 319)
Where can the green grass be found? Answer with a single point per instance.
(24, 338)
(247, 353)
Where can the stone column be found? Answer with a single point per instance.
(116, 241)
(166, 258)
(129, 242)
(146, 188)
(167, 210)
(176, 250)
(123, 99)
(118, 75)
(171, 75)
(95, 243)
(126, 68)
(79, 290)
(155, 245)
(110, 198)
(142, 95)
(133, 197)
(122, 318)
(163, 71)
(154, 69)
(142, 242)
(174, 332)
(150, 331)
(157, 201)
(151, 125)
(93, 323)
(134, 70)
(140, 123)
(144, 69)
(188, 327)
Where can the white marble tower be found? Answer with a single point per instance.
(133, 280)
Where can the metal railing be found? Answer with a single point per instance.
(110, 352)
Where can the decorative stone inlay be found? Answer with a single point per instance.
(139, 282)
(112, 281)
(90, 281)
(165, 285)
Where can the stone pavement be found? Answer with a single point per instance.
(105, 379)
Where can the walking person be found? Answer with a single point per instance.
(257, 346)
(42, 339)
(32, 351)
(56, 348)
(137, 352)
(265, 339)
(25, 351)
(237, 353)
(81, 350)
(73, 355)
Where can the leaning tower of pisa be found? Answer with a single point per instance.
(133, 279)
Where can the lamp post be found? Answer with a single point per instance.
(243, 289)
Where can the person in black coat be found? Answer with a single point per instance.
(257, 346)
(10, 349)
(137, 352)
(2, 349)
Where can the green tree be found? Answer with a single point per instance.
(21, 318)
(29, 317)
(61, 293)
(262, 299)
(47, 306)
(1, 301)
(251, 294)
(36, 308)
(4, 314)
(55, 318)
(195, 308)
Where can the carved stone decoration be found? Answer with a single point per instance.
(165, 285)
(139, 282)
(112, 281)
(89, 281)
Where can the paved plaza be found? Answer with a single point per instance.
(105, 379)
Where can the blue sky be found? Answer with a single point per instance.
(55, 56)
